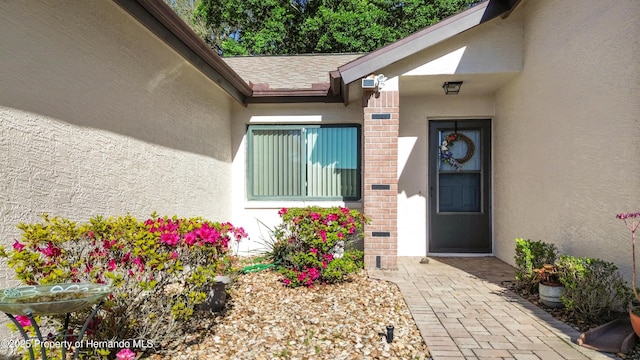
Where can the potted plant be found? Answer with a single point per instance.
(549, 285)
(632, 220)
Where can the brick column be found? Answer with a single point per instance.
(380, 173)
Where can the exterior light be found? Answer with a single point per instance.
(452, 87)
(375, 82)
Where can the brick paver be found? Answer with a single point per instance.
(464, 312)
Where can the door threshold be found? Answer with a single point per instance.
(460, 254)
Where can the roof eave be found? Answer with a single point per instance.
(293, 96)
(318, 93)
(512, 4)
(163, 21)
(445, 29)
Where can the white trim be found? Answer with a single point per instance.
(273, 119)
(278, 204)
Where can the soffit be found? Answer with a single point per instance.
(473, 84)
(288, 72)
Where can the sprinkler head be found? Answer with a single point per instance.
(389, 333)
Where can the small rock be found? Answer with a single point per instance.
(266, 320)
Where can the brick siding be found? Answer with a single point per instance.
(380, 167)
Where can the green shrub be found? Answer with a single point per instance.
(159, 269)
(316, 244)
(532, 255)
(592, 287)
(352, 261)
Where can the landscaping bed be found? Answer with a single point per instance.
(564, 315)
(315, 302)
(593, 291)
(265, 320)
(570, 318)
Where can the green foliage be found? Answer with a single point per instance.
(317, 244)
(265, 27)
(274, 249)
(185, 9)
(348, 26)
(531, 255)
(592, 287)
(352, 261)
(159, 270)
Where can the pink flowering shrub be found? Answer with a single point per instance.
(159, 269)
(317, 244)
(126, 354)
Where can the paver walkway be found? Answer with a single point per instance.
(463, 312)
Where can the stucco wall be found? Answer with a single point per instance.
(249, 213)
(100, 117)
(415, 113)
(490, 48)
(566, 131)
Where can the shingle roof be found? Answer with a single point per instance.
(289, 71)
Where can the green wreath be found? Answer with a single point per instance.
(447, 157)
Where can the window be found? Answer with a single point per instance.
(303, 162)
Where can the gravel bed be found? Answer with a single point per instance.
(265, 320)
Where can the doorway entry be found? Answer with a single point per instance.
(460, 187)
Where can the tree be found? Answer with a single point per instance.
(248, 27)
(267, 27)
(348, 26)
(185, 9)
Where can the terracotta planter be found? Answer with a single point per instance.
(635, 320)
(550, 294)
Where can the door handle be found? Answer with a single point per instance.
(431, 191)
